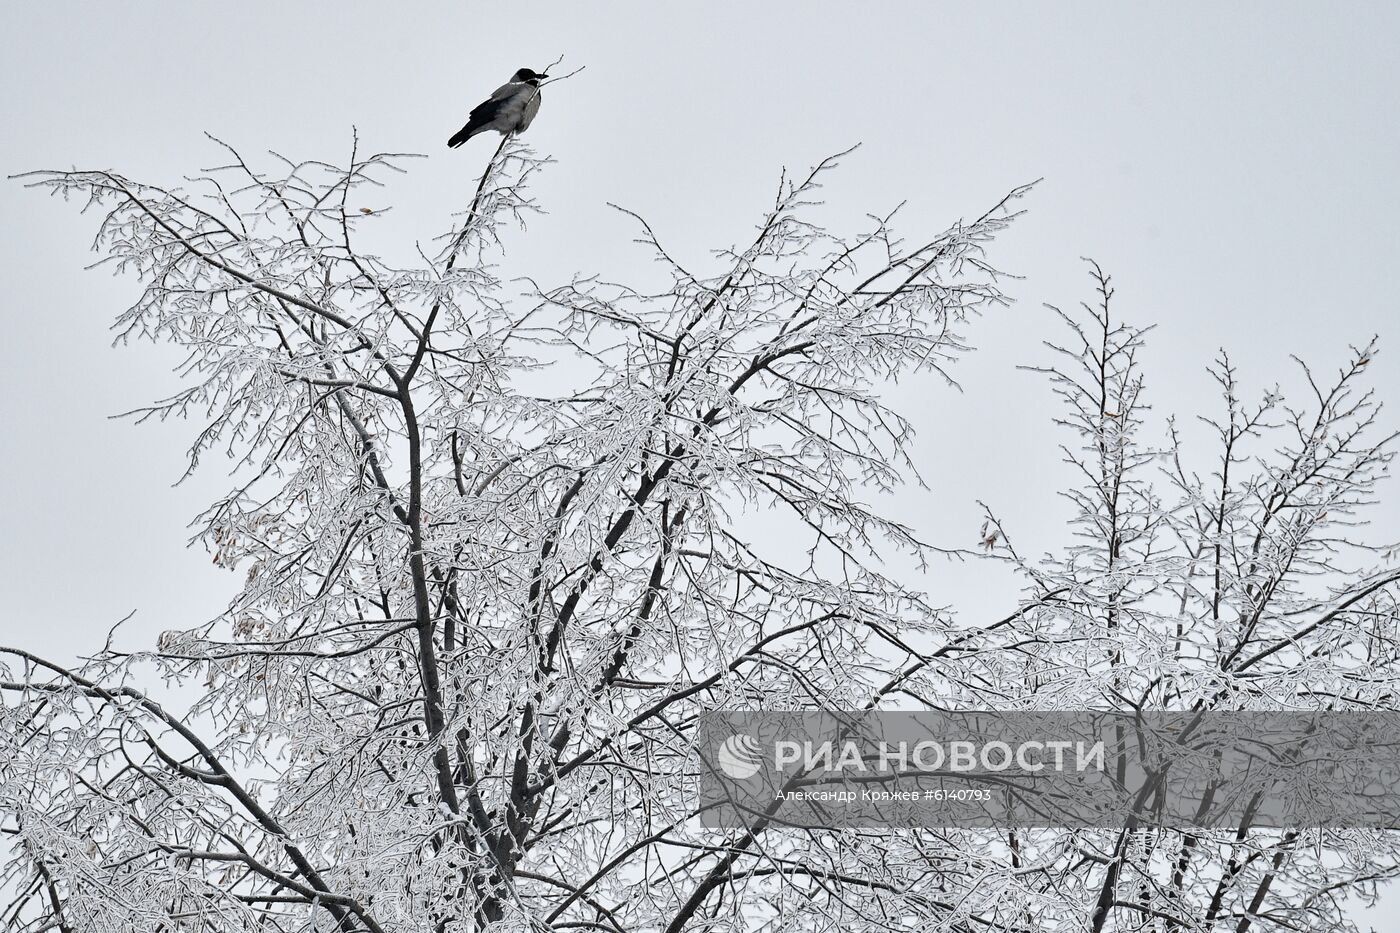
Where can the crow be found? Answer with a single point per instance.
(510, 109)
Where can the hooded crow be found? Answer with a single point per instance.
(510, 109)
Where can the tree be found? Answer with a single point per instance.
(458, 688)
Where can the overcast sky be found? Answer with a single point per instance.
(1234, 168)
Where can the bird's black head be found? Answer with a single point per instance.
(529, 76)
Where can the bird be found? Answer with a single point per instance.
(510, 109)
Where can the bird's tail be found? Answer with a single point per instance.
(464, 134)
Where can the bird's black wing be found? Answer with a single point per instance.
(481, 116)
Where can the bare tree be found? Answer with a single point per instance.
(459, 686)
(1248, 587)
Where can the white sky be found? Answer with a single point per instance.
(1234, 168)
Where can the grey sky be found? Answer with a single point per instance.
(1233, 167)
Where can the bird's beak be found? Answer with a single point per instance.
(541, 77)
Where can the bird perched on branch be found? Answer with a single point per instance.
(510, 109)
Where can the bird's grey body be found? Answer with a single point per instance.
(510, 109)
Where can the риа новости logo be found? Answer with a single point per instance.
(739, 757)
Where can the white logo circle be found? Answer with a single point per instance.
(739, 756)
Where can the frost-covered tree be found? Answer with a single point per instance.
(1243, 580)
(459, 687)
